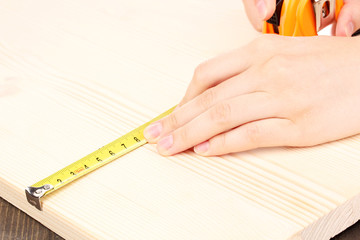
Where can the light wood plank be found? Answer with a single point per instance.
(74, 75)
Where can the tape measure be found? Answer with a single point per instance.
(89, 163)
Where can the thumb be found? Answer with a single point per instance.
(266, 8)
(349, 18)
(259, 11)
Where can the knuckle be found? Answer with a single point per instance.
(172, 121)
(207, 99)
(182, 136)
(199, 74)
(221, 141)
(279, 65)
(221, 114)
(253, 133)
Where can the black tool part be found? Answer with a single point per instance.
(357, 33)
(275, 19)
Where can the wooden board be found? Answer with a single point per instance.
(74, 75)
(15, 224)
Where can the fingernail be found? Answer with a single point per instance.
(202, 148)
(261, 6)
(349, 29)
(153, 131)
(165, 144)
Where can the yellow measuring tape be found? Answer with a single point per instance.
(99, 158)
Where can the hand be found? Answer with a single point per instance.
(348, 21)
(276, 91)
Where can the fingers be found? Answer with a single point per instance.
(222, 117)
(266, 8)
(253, 14)
(259, 11)
(217, 70)
(349, 18)
(263, 133)
(200, 104)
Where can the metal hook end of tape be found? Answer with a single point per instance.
(324, 18)
(34, 194)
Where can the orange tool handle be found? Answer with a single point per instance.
(297, 18)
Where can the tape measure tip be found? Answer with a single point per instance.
(34, 194)
(92, 161)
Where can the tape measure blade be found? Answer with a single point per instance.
(89, 163)
(95, 160)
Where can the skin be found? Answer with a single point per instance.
(300, 92)
(348, 21)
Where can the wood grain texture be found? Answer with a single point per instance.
(15, 224)
(75, 75)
